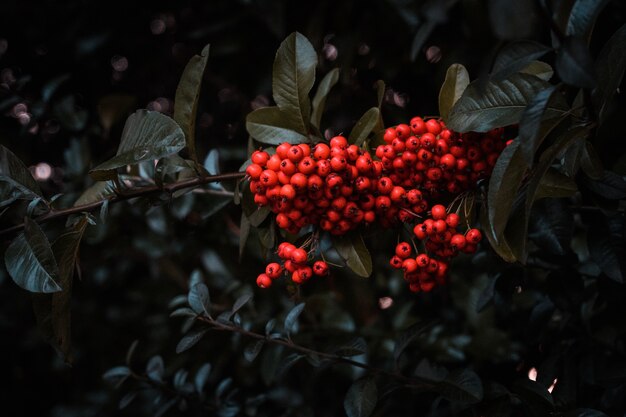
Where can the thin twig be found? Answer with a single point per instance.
(127, 195)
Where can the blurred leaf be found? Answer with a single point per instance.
(97, 192)
(457, 80)
(539, 69)
(488, 293)
(430, 371)
(552, 226)
(611, 185)
(287, 362)
(244, 231)
(201, 377)
(610, 67)
(271, 125)
(605, 240)
(504, 184)
(116, 373)
(380, 92)
(147, 135)
(583, 17)
(165, 407)
(155, 368)
(127, 399)
(534, 393)
(253, 349)
(585, 412)
(30, 260)
(513, 19)
(533, 127)
(421, 36)
(516, 56)
(556, 185)
(355, 347)
(53, 85)
(189, 340)
(174, 168)
(69, 114)
(291, 319)
(16, 182)
(364, 126)
(242, 301)
(361, 398)
(500, 103)
(212, 162)
(319, 100)
(114, 108)
(574, 63)
(353, 250)
(461, 386)
(269, 326)
(199, 300)
(293, 77)
(187, 96)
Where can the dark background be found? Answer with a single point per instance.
(70, 72)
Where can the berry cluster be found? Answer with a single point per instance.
(338, 187)
(294, 261)
(440, 239)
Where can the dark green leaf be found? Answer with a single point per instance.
(516, 56)
(574, 63)
(462, 386)
(504, 183)
(531, 133)
(187, 95)
(116, 373)
(212, 162)
(430, 371)
(500, 246)
(244, 231)
(165, 407)
(288, 362)
(457, 80)
(590, 162)
(353, 250)
(361, 398)
(97, 192)
(319, 100)
(69, 114)
(127, 399)
(605, 240)
(499, 103)
(183, 312)
(364, 126)
(610, 67)
(539, 69)
(488, 293)
(408, 335)
(611, 185)
(147, 135)
(253, 349)
(380, 92)
(583, 16)
(293, 76)
(271, 125)
(16, 182)
(291, 319)
(155, 368)
(189, 340)
(551, 226)
(242, 301)
(534, 393)
(556, 185)
(199, 300)
(30, 260)
(269, 326)
(201, 377)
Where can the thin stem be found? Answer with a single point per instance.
(414, 383)
(127, 195)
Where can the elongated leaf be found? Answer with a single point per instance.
(201, 377)
(500, 103)
(189, 340)
(16, 182)
(353, 250)
(464, 387)
(556, 185)
(253, 349)
(319, 99)
(361, 398)
(610, 67)
(364, 126)
(292, 317)
(575, 64)
(539, 69)
(583, 16)
(504, 184)
(408, 335)
(500, 246)
(30, 260)
(116, 373)
(551, 226)
(155, 368)
(457, 80)
(293, 76)
(517, 55)
(147, 135)
(187, 95)
(271, 125)
(355, 347)
(530, 127)
(610, 185)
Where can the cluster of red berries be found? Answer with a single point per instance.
(337, 187)
(440, 239)
(294, 261)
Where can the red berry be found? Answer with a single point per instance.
(473, 236)
(320, 268)
(403, 250)
(438, 212)
(263, 281)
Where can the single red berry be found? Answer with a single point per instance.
(260, 157)
(263, 281)
(473, 236)
(452, 220)
(299, 256)
(438, 212)
(273, 270)
(320, 268)
(458, 241)
(403, 250)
